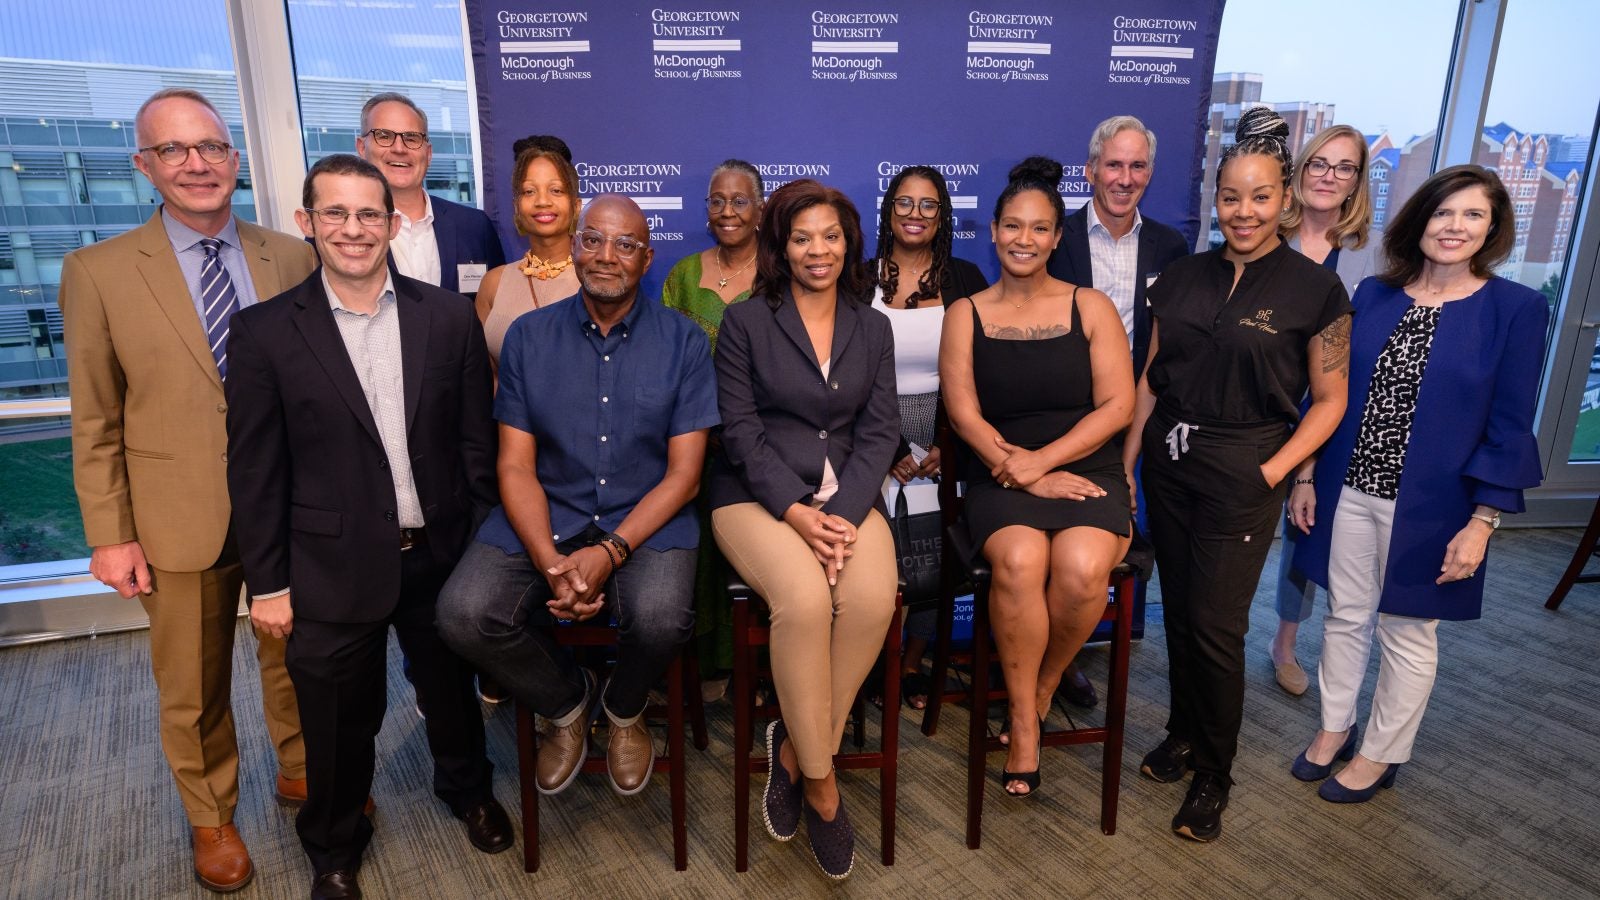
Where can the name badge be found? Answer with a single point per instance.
(469, 276)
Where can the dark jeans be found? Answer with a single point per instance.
(492, 611)
(1212, 518)
(338, 670)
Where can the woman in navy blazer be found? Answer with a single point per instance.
(1437, 442)
(810, 424)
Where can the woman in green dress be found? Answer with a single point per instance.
(701, 286)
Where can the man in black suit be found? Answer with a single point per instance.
(443, 243)
(361, 459)
(1109, 246)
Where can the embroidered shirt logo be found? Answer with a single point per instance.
(1262, 321)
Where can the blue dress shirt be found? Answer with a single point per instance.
(601, 409)
(191, 257)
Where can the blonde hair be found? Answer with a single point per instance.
(1356, 219)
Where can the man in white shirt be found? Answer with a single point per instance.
(1109, 246)
(440, 242)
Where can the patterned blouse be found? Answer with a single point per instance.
(1380, 451)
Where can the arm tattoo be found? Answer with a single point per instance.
(1336, 346)
(1030, 333)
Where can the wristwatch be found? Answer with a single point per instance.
(1492, 521)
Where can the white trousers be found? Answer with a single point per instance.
(1409, 646)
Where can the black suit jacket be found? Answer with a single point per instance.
(781, 418)
(314, 502)
(464, 235)
(1158, 245)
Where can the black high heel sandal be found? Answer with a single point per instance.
(1030, 780)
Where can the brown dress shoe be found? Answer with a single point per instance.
(292, 793)
(335, 885)
(562, 748)
(221, 862)
(630, 756)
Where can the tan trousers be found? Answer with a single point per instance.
(824, 639)
(192, 621)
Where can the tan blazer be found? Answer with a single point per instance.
(149, 440)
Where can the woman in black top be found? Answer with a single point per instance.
(1037, 381)
(1241, 332)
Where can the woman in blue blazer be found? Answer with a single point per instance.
(810, 425)
(1437, 442)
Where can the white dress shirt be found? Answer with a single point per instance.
(1115, 262)
(415, 248)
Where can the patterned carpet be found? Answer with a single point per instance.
(1502, 799)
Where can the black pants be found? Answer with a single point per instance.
(339, 671)
(1212, 518)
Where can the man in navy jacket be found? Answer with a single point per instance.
(440, 242)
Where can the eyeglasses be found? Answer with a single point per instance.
(336, 216)
(593, 242)
(739, 202)
(1318, 167)
(385, 138)
(928, 206)
(175, 154)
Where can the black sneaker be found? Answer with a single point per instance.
(1200, 816)
(780, 803)
(1168, 762)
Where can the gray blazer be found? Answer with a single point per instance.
(1353, 264)
(781, 418)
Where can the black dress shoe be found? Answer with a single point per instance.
(488, 826)
(1200, 817)
(335, 884)
(1168, 762)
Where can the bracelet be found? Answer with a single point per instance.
(611, 555)
(1305, 481)
(619, 542)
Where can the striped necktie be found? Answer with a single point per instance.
(219, 300)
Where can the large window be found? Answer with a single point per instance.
(345, 53)
(1378, 65)
(72, 75)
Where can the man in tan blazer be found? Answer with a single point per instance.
(146, 332)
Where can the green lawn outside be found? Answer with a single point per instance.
(38, 509)
(1586, 437)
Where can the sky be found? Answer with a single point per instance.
(1384, 62)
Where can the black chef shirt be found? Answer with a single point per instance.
(1240, 359)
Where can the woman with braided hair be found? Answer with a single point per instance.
(916, 275)
(1240, 334)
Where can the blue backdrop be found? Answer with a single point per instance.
(651, 95)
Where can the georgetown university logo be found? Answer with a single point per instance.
(1146, 50)
(538, 46)
(692, 44)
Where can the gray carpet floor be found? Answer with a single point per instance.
(1501, 800)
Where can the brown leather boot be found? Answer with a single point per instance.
(221, 862)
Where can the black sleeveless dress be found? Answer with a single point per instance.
(1033, 392)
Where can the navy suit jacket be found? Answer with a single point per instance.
(1158, 245)
(465, 235)
(314, 503)
(781, 418)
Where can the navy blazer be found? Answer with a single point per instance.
(1158, 245)
(1471, 438)
(314, 503)
(781, 418)
(464, 235)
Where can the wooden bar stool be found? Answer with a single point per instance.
(684, 671)
(750, 632)
(1119, 611)
(1574, 574)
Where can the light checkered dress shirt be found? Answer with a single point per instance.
(373, 342)
(1116, 265)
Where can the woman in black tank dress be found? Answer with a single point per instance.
(1037, 380)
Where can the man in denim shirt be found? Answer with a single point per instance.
(604, 406)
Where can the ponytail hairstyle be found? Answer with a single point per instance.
(1261, 132)
(883, 265)
(1036, 173)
